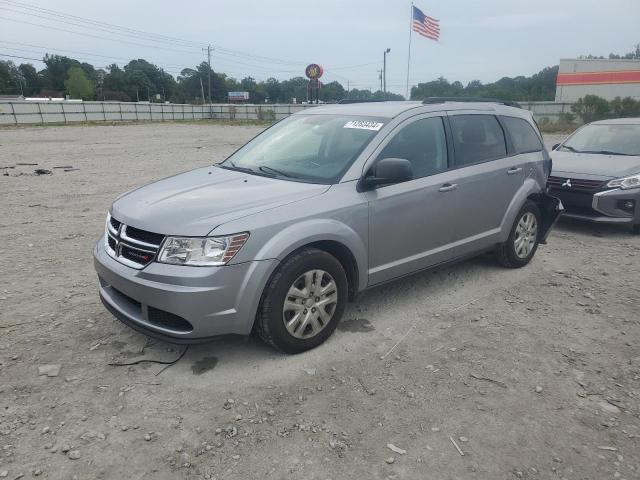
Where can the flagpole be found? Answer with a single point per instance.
(409, 54)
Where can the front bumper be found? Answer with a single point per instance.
(601, 207)
(182, 304)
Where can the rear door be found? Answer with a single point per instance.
(489, 175)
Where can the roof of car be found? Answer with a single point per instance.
(395, 108)
(618, 121)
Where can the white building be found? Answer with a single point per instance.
(605, 78)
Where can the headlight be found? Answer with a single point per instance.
(632, 181)
(199, 251)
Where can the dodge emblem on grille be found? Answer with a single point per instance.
(567, 183)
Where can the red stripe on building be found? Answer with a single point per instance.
(594, 78)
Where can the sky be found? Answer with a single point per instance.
(480, 39)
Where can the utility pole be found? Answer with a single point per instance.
(208, 50)
(148, 95)
(137, 96)
(380, 78)
(202, 90)
(384, 73)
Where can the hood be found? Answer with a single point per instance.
(196, 202)
(593, 165)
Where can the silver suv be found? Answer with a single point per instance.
(319, 207)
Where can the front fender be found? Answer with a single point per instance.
(303, 233)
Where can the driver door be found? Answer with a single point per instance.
(410, 227)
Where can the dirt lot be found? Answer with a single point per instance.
(533, 373)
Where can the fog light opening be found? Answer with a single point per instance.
(627, 205)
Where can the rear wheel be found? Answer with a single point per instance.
(523, 240)
(303, 301)
(635, 229)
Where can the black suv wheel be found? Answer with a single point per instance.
(523, 240)
(303, 301)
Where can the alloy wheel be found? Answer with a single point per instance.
(526, 235)
(310, 304)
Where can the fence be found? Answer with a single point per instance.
(551, 111)
(36, 112)
(42, 112)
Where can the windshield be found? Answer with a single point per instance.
(606, 139)
(311, 148)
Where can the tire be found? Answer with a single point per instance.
(635, 229)
(311, 319)
(516, 253)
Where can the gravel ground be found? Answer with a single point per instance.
(531, 373)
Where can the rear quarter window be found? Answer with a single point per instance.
(523, 136)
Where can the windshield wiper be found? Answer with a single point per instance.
(572, 149)
(240, 169)
(267, 169)
(607, 152)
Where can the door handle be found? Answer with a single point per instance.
(514, 170)
(447, 187)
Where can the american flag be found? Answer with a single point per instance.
(426, 26)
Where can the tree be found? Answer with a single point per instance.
(9, 78)
(78, 84)
(30, 78)
(624, 107)
(56, 71)
(189, 89)
(332, 92)
(541, 86)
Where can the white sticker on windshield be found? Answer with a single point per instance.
(363, 125)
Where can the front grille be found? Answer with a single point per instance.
(136, 256)
(168, 320)
(146, 237)
(114, 223)
(131, 246)
(574, 184)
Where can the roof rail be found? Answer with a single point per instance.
(353, 100)
(433, 100)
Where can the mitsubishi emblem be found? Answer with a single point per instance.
(567, 183)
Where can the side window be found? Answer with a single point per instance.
(477, 138)
(522, 134)
(423, 143)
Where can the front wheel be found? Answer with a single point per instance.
(523, 240)
(303, 301)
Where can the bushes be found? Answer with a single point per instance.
(592, 108)
(624, 107)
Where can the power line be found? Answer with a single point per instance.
(114, 29)
(89, 54)
(167, 66)
(26, 6)
(22, 58)
(227, 73)
(133, 43)
(138, 34)
(97, 36)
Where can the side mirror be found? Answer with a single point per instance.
(555, 146)
(388, 171)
